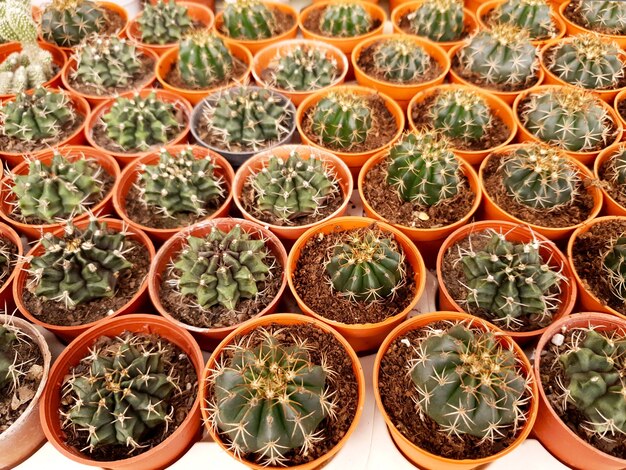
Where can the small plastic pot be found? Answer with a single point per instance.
(611, 206)
(6, 292)
(573, 29)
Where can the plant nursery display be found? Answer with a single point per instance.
(535, 16)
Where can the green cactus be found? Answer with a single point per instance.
(67, 22)
(180, 183)
(615, 171)
(469, 382)
(249, 20)
(607, 17)
(304, 68)
(16, 22)
(80, 266)
(29, 68)
(222, 268)
(368, 266)
(124, 395)
(204, 60)
(461, 114)
(9, 373)
(615, 266)
(438, 20)
(164, 22)
(270, 398)
(400, 60)
(345, 20)
(570, 118)
(534, 16)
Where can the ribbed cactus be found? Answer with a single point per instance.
(164, 22)
(469, 382)
(534, 16)
(270, 398)
(423, 169)
(614, 263)
(29, 68)
(293, 188)
(16, 22)
(438, 20)
(615, 171)
(67, 22)
(608, 17)
(80, 266)
(222, 268)
(249, 20)
(401, 60)
(203, 60)
(461, 114)
(368, 266)
(345, 20)
(125, 395)
(304, 68)
(10, 369)
(588, 61)
(138, 123)
(180, 183)
(569, 118)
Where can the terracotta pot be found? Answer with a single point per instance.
(611, 206)
(498, 108)
(255, 46)
(573, 29)
(159, 456)
(76, 138)
(68, 333)
(130, 174)
(259, 161)
(523, 135)
(196, 11)
(366, 336)
(492, 211)
(616, 102)
(163, 95)
(515, 233)
(400, 92)
(25, 435)
(553, 433)
(72, 153)
(210, 337)
(269, 56)
(420, 457)
(354, 160)
(6, 292)
(169, 60)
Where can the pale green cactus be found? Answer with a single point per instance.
(249, 19)
(400, 60)
(164, 22)
(24, 70)
(16, 22)
(607, 17)
(534, 16)
(438, 20)
(616, 170)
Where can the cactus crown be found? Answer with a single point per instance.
(469, 382)
(401, 60)
(304, 68)
(615, 266)
(249, 19)
(461, 114)
(438, 20)
(13, 367)
(163, 22)
(16, 22)
(29, 68)
(534, 16)
(616, 169)
(203, 59)
(608, 17)
(345, 20)
(67, 22)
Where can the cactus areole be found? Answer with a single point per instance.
(253, 20)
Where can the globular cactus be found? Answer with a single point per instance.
(423, 169)
(345, 20)
(203, 60)
(180, 183)
(401, 60)
(249, 19)
(124, 395)
(16, 22)
(438, 20)
(461, 114)
(615, 171)
(304, 68)
(570, 118)
(12, 366)
(293, 188)
(67, 22)
(368, 266)
(270, 398)
(614, 263)
(222, 268)
(534, 16)
(164, 22)
(469, 382)
(29, 68)
(607, 17)
(79, 266)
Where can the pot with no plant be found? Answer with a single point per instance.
(610, 170)
(11, 250)
(437, 379)
(607, 18)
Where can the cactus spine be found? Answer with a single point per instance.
(204, 60)
(13, 367)
(16, 22)
(607, 17)
(29, 68)
(304, 68)
(615, 171)
(438, 20)
(614, 263)
(401, 60)
(249, 19)
(345, 20)
(461, 114)
(67, 22)
(534, 16)
(164, 22)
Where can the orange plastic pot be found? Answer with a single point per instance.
(519, 234)
(210, 337)
(68, 333)
(492, 211)
(498, 108)
(132, 172)
(255, 46)
(366, 336)
(170, 58)
(611, 206)
(6, 293)
(124, 158)
(420, 457)
(393, 4)
(616, 102)
(284, 319)
(400, 92)
(72, 153)
(354, 160)
(160, 456)
(210, 4)
(573, 29)
(270, 55)
(553, 433)
(259, 161)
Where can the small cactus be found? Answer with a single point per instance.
(67, 22)
(607, 17)
(249, 20)
(461, 114)
(345, 20)
(12, 366)
(615, 266)
(401, 60)
(164, 22)
(16, 22)
(615, 171)
(204, 60)
(438, 20)
(29, 68)
(534, 16)
(304, 68)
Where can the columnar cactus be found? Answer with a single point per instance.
(401, 60)
(164, 22)
(461, 114)
(16, 22)
(204, 60)
(615, 267)
(249, 19)
(29, 68)
(616, 170)
(469, 382)
(534, 16)
(67, 22)
(304, 68)
(345, 20)
(608, 17)
(438, 20)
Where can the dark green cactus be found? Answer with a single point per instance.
(615, 171)
(249, 20)
(614, 262)
(401, 60)
(304, 68)
(16, 22)
(438, 20)
(164, 22)
(534, 16)
(461, 114)
(29, 68)
(204, 60)
(345, 20)
(67, 22)
(9, 370)
(607, 17)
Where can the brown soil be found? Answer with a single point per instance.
(312, 285)
(575, 17)
(481, 83)
(342, 386)
(587, 257)
(312, 22)
(177, 364)
(385, 201)
(616, 192)
(564, 216)
(114, 22)
(405, 25)
(7, 247)
(284, 22)
(237, 75)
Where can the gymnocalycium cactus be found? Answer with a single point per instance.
(249, 19)
(67, 22)
(615, 171)
(304, 68)
(607, 17)
(460, 372)
(461, 114)
(534, 16)
(29, 68)
(345, 20)
(438, 20)
(204, 60)
(401, 60)
(16, 22)
(615, 266)
(263, 382)
(164, 22)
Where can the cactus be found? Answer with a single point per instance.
(249, 19)
(615, 171)
(222, 268)
(164, 22)
(368, 266)
(304, 68)
(401, 60)
(16, 22)
(29, 68)
(125, 393)
(461, 114)
(534, 16)
(438, 20)
(270, 398)
(204, 60)
(469, 382)
(67, 22)
(180, 183)
(80, 266)
(607, 17)
(588, 61)
(293, 188)
(570, 118)
(615, 267)
(345, 20)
